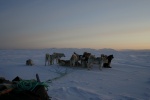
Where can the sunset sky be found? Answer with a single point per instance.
(97, 24)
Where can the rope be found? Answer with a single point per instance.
(29, 85)
(61, 72)
(58, 72)
(56, 78)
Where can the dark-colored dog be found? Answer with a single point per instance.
(107, 65)
(29, 62)
(85, 56)
(64, 62)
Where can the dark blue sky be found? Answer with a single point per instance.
(117, 24)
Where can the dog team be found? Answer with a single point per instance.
(86, 60)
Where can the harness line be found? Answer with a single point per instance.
(31, 84)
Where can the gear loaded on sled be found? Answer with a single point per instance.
(32, 89)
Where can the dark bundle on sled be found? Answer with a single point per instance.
(8, 92)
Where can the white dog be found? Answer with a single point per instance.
(47, 58)
(103, 59)
(73, 60)
(57, 56)
(90, 62)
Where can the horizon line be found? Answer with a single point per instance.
(69, 48)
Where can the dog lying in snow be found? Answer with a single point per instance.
(64, 62)
(29, 62)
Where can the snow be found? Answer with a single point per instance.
(128, 79)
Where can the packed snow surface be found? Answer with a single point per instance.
(128, 79)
